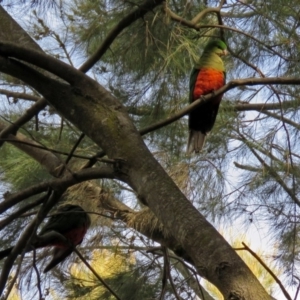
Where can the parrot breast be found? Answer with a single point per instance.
(75, 236)
(208, 80)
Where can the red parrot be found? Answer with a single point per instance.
(72, 222)
(207, 76)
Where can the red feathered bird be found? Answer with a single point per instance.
(72, 222)
(206, 77)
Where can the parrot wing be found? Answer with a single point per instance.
(67, 218)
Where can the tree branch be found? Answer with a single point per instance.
(284, 291)
(273, 173)
(26, 238)
(283, 119)
(137, 13)
(261, 107)
(33, 110)
(21, 211)
(43, 61)
(57, 185)
(41, 154)
(193, 25)
(230, 85)
(23, 96)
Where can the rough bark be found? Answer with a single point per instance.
(102, 118)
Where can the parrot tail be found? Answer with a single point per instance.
(196, 141)
(59, 254)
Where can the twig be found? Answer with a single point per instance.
(273, 173)
(201, 289)
(12, 282)
(38, 277)
(70, 155)
(284, 120)
(260, 107)
(96, 274)
(164, 279)
(194, 25)
(298, 288)
(14, 140)
(284, 291)
(168, 269)
(74, 148)
(19, 212)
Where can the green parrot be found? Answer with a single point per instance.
(72, 222)
(206, 77)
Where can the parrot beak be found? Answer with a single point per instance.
(225, 52)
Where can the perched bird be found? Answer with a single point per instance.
(72, 222)
(206, 77)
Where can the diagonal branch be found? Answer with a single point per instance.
(33, 110)
(283, 119)
(58, 184)
(44, 156)
(13, 216)
(95, 273)
(284, 291)
(135, 14)
(24, 241)
(275, 175)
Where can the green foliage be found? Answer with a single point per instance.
(19, 169)
(120, 272)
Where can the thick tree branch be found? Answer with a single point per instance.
(42, 61)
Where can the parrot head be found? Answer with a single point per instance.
(216, 46)
(212, 56)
